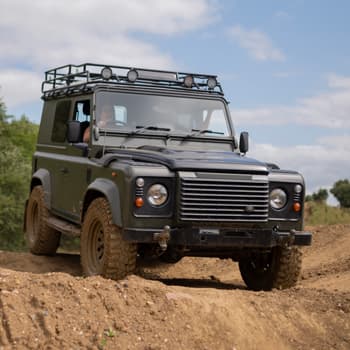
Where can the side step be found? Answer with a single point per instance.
(65, 227)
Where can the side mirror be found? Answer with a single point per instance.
(244, 142)
(73, 131)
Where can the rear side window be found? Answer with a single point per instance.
(59, 130)
(82, 111)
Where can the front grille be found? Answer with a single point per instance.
(227, 199)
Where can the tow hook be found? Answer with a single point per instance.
(162, 237)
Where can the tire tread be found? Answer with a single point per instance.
(46, 240)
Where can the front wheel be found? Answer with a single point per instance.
(279, 268)
(102, 248)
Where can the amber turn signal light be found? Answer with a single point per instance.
(139, 202)
(296, 207)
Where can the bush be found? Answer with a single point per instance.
(317, 213)
(341, 191)
(17, 143)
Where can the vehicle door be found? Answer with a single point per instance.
(70, 176)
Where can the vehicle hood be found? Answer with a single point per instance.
(190, 159)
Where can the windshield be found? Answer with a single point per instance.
(149, 113)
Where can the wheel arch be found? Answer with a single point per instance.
(42, 178)
(109, 190)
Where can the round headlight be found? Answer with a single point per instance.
(157, 195)
(278, 198)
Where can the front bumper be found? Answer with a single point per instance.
(221, 238)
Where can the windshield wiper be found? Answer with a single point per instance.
(196, 132)
(150, 127)
(140, 129)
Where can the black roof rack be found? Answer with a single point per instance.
(71, 78)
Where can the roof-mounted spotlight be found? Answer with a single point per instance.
(132, 75)
(106, 73)
(188, 81)
(212, 82)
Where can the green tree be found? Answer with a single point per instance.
(17, 142)
(341, 191)
(320, 196)
(308, 198)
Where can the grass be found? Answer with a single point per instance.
(317, 213)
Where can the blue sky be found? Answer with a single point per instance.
(284, 65)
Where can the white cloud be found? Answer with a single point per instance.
(330, 109)
(258, 44)
(20, 86)
(336, 81)
(41, 34)
(152, 16)
(51, 32)
(321, 164)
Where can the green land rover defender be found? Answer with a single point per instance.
(145, 163)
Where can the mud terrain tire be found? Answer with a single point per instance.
(41, 239)
(102, 248)
(278, 269)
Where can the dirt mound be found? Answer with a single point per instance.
(195, 304)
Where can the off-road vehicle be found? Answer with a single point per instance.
(145, 163)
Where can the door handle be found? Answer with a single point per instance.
(64, 170)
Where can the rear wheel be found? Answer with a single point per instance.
(102, 248)
(41, 239)
(279, 268)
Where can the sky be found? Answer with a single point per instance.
(284, 65)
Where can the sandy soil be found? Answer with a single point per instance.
(195, 304)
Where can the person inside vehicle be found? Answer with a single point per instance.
(106, 117)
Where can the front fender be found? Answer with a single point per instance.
(108, 189)
(42, 176)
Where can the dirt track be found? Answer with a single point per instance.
(195, 304)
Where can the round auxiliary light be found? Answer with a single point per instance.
(188, 81)
(132, 75)
(140, 182)
(278, 198)
(157, 195)
(212, 82)
(298, 188)
(106, 73)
